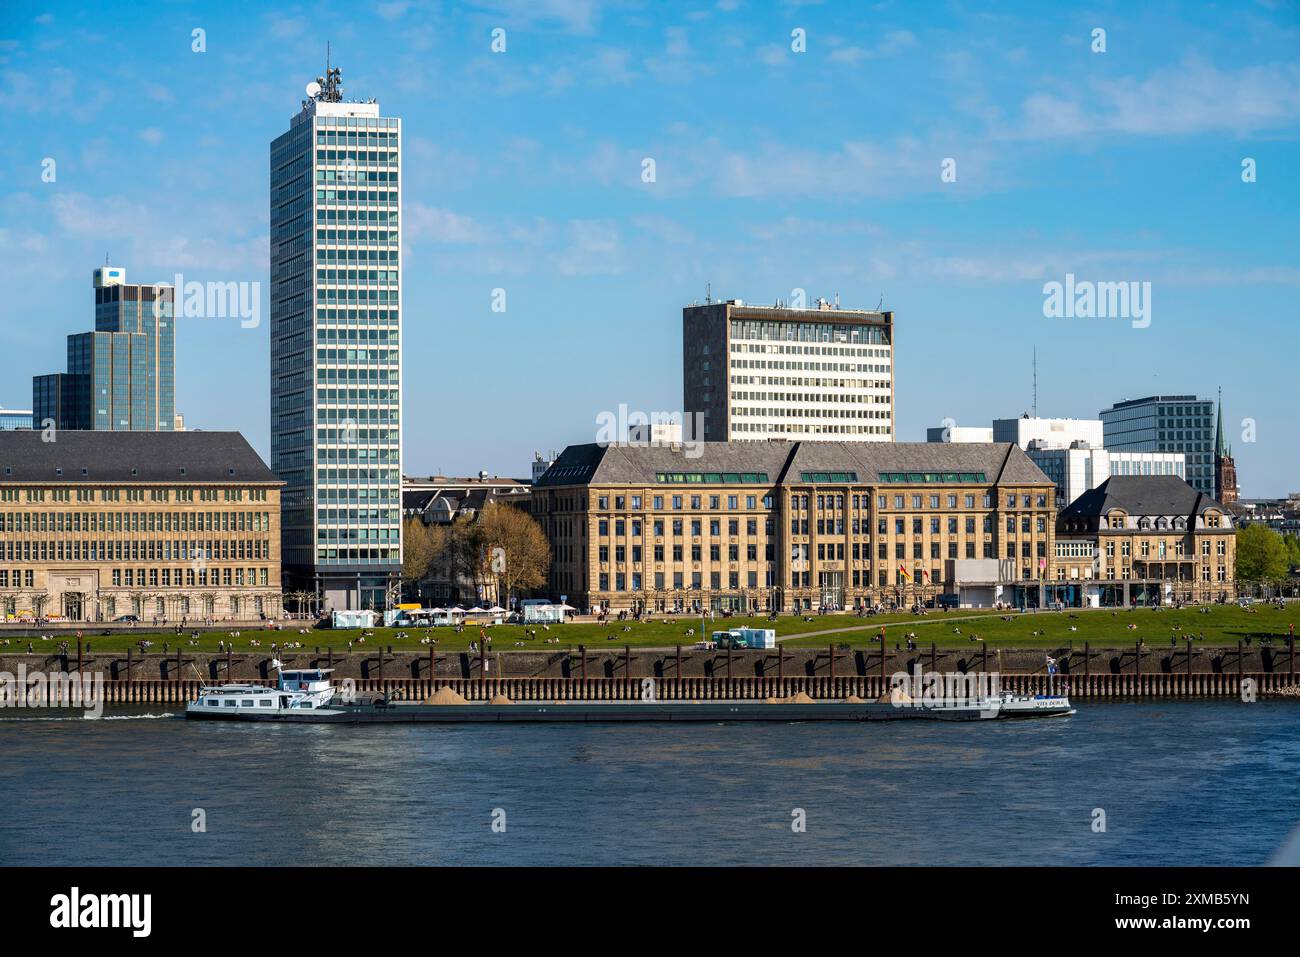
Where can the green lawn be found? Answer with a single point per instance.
(1220, 625)
(1103, 628)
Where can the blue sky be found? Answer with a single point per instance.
(775, 170)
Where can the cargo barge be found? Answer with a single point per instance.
(306, 697)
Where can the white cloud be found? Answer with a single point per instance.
(575, 16)
(440, 226)
(394, 10)
(152, 135)
(152, 239)
(593, 248)
(1191, 97)
(891, 44)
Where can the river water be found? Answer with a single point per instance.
(1192, 783)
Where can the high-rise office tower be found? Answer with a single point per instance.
(122, 376)
(777, 372)
(336, 319)
(1166, 423)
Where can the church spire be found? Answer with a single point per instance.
(1220, 448)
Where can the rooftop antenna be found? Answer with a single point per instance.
(880, 305)
(708, 292)
(1035, 381)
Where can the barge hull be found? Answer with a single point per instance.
(579, 711)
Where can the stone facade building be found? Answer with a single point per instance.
(1146, 540)
(792, 525)
(175, 525)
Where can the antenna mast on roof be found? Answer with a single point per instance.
(1035, 381)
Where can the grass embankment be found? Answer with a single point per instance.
(1102, 628)
(1220, 625)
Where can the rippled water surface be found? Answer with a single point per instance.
(1192, 783)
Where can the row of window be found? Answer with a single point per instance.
(827, 526)
(352, 158)
(803, 502)
(114, 521)
(157, 577)
(150, 549)
(225, 494)
(1220, 548)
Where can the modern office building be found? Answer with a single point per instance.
(776, 372)
(958, 433)
(336, 323)
(1076, 470)
(795, 525)
(174, 525)
(15, 418)
(1032, 432)
(122, 376)
(1166, 423)
(1069, 452)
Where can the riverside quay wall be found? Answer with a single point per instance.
(619, 673)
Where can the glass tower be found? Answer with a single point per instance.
(336, 347)
(1166, 423)
(122, 376)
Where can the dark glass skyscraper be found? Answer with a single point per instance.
(1166, 423)
(122, 376)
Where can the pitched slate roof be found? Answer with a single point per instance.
(1141, 495)
(93, 457)
(783, 462)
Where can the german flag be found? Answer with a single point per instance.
(903, 571)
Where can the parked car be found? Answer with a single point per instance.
(128, 619)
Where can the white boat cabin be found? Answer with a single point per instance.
(300, 689)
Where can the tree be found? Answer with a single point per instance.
(1292, 543)
(512, 548)
(1261, 555)
(418, 550)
